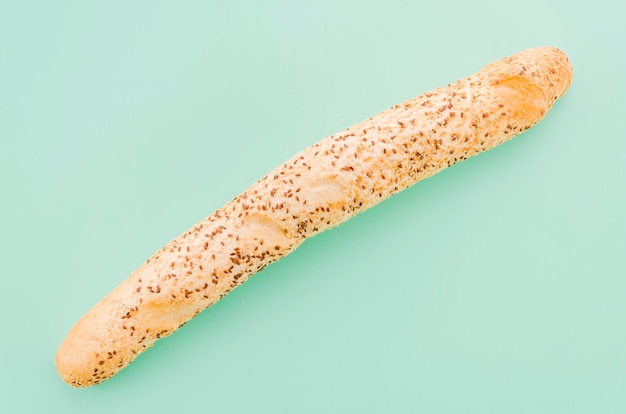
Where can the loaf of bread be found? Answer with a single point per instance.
(318, 188)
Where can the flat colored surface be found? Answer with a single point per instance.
(496, 286)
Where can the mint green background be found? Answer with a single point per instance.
(497, 286)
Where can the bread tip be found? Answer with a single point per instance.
(67, 365)
(559, 66)
(77, 359)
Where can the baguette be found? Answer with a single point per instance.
(318, 188)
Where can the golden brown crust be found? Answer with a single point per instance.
(318, 188)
